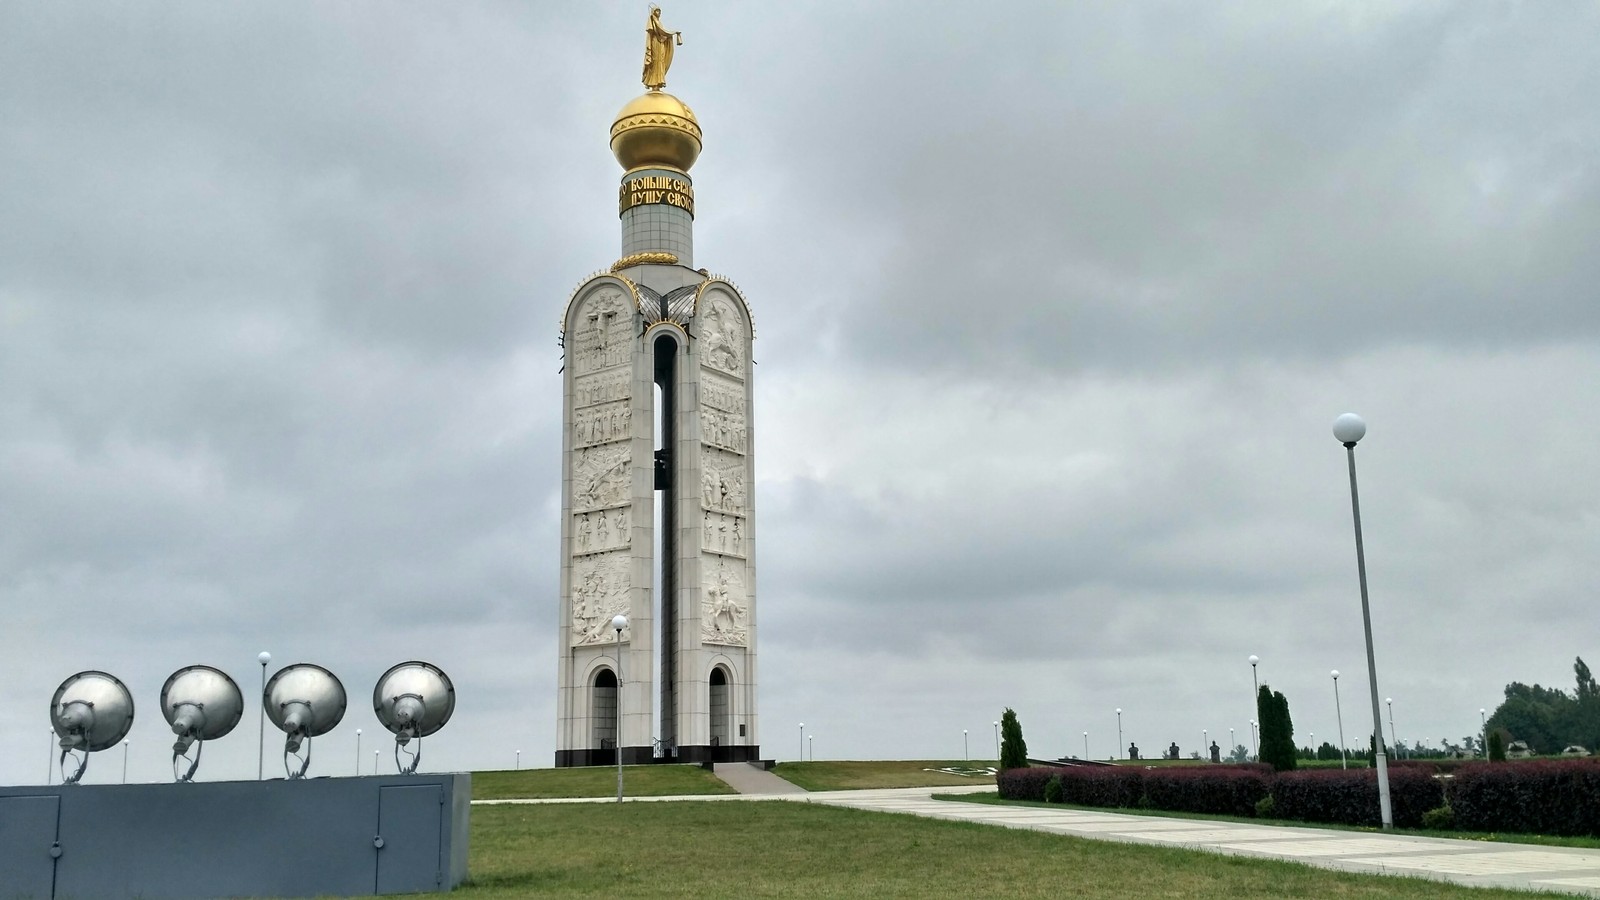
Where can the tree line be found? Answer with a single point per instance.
(1549, 719)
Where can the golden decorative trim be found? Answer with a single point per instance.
(658, 167)
(641, 259)
(667, 120)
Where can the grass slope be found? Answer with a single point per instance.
(596, 781)
(789, 849)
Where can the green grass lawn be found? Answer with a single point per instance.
(850, 775)
(792, 849)
(596, 781)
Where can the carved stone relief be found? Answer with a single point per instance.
(599, 531)
(602, 424)
(603, 332)
(722, 335)
(604, 387)
(723, 429)
(721, 392)
(722, 481)
(722, 534)
(599, 591)
(600, 476)
(724, 609)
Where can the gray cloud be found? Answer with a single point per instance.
(1054, 308)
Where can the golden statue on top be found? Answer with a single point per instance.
(658, 44)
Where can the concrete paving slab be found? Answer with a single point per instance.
(747, 779)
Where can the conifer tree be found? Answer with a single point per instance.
(1013, 749)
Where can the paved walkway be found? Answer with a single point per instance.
(1472, 863)
(747, 779)
(1475, 863)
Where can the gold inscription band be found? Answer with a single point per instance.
(655, 189)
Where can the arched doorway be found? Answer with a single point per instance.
(718, 706)
(603, 718)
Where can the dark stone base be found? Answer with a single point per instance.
(644, 756)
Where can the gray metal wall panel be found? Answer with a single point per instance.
(27, 831)
(410, 821)
(249, 838)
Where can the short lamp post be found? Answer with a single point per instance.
(811, 750)
(619, 622)
(124, 762)
(1343, 762)
(997, 743)
(1255, 700)
(965, 753)
(358, 751)
(50, 760)
(1389, 701)
(1230, 742)
(1348, 430)
(1119, 729)
(519, 760)
(1483, 732)
(375, 762)
(1086, 745)
(261, 732)
(802, 740)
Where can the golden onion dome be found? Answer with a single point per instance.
(656, 129)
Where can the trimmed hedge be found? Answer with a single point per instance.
(1215, 790)
(1350, 796)
(1560, 797)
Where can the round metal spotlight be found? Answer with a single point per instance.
(201, 704)
(303, 700)
(413, 699)
(90, 711)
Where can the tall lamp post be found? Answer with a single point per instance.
(519, 760)
(619, 622)
(965, 753)
(1230, 742)
(375, 762)
(1348, 430)
(124, 762)
(811, 750)
(1483, 732)
(358, 751)
(1086, 745)
(1119, 730)
(1343, 763)
(1205, 743)
(997, 742)
(261, 731)
(802, 740)
(1255, 702)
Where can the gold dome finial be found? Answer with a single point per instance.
(656, 128)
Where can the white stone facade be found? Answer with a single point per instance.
(694, 645)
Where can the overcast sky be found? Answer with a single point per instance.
(1055, 305)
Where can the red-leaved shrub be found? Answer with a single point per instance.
(1560, 797)
(1218, 790)
(1350, 796)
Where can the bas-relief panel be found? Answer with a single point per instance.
(600, 531)
(600, 476)
(600, 585)
(602, 332)
(722, 481)
(723, 429)
(724, 608)
(602, 387)
(602, 424)
(722, 534)
(723, 335)
(721, 392)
